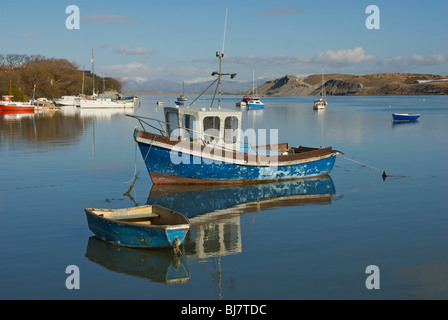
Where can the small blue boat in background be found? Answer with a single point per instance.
(148, 226)
(405, 116)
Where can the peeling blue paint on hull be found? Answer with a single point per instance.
(129, 235)
(193, 169)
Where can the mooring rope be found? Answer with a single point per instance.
(144, 160)
(176, 247)
(364, 164)
(135, 164)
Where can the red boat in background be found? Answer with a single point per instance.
(6, 104)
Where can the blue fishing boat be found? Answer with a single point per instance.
(148, 226)
(204, 146)
(405, 116)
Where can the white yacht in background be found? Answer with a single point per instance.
(182, 97)
(108, 100)
(321, 102)
(254, 102)
(72, 101)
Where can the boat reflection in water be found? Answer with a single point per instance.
(158, 265)
(398, 124)
(214, 212)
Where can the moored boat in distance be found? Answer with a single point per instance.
(254, 101)
(6, 104)
(108, 100)
(243, 102)
(182, 97)
(321, 102)
(72, 101)
(148, 226)
(44, 103)
(405, 116)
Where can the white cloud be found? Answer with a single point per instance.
(333, 58)
(129, 68)
(29, 35)
(354, 61)
(139, 71)
(429, 60)
(417, 60)
(141, 79)
(343, 57)
(133, 51)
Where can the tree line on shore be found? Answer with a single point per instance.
(51, 78)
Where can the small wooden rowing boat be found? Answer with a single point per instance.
(145, 226)
(405, 116)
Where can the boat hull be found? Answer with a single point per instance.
(104, 104)
(133, 235)
(319, 104)
(405, 117)
(6, 107)
(168, 166)
(68, 101)
(255, 106)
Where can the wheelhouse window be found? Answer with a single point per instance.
(189, 123)
(172, 119)
(211, 128)
(230, 129)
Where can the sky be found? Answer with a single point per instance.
(176, 40)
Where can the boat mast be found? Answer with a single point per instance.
(214, 73)
(93, 74)
(253, 85)
(220, 56)
(82, 87)
(104, 82)
(322, 86)
(220, 62)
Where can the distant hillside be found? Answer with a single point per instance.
(344, 84)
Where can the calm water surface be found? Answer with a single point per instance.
(309, 239)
